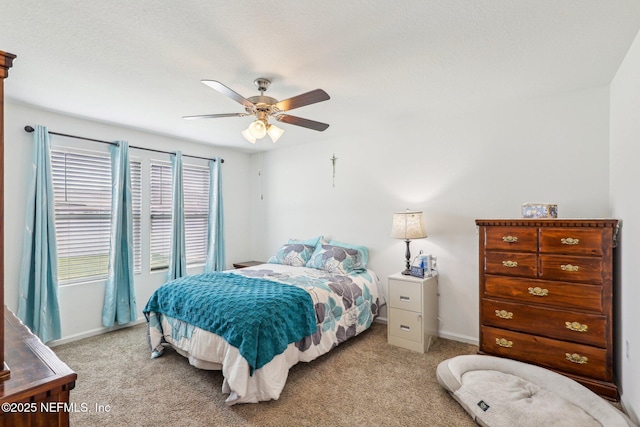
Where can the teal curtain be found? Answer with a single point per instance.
(215, 227)
(38, 300)
(177, 255)
(120, 292)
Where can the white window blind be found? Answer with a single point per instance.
(135, 167)
(195, 180)
(160, 182)
(82, 199)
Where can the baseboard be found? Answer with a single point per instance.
(458, 337)
(93, 332)
(441, 334)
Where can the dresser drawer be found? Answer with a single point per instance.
(571, 241)
(510, 263)
(558, 294)
(571, 268)
(405, 324)
(567, 357)
(549, 322)
(405, 295)
(517, 239)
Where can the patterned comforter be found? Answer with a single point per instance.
(344, 306)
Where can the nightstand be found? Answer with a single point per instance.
(413, 312)
(246, 264)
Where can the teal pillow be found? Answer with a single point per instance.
(337, 259)
(296, 254)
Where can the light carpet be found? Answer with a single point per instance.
(364, 381)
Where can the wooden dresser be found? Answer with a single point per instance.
(37, 393)
(546, 295)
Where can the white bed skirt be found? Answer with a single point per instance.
(206, 350)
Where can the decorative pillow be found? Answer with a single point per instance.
(363, 250)
(296, 254)
(336, 259)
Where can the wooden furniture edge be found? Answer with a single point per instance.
(63, 375)
(551, 222)
(6, 62)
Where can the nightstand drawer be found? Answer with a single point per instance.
(405, 324)
(405, 295)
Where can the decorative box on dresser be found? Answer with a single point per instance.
(413, 311)
(546, 295)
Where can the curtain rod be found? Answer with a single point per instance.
(30, 129)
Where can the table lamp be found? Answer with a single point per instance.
(408, 225)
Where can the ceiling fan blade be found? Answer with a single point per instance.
(213, 84)
(299, 121)
(312, 97)
(213, 116)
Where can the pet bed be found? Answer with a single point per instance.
(499, 392)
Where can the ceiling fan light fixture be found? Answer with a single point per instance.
(263, 107)
(274, 132)
(258, 129)
(247, 136)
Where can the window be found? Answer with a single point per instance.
(82, 201)
(160, 215)
(195, 180)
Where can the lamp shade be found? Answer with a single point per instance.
(408, 225)
(247, 135)
(258, 129)
(274, 132)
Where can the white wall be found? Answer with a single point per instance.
(625, 176)
(81, 304)
(474, 164)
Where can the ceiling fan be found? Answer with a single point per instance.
(263, 107)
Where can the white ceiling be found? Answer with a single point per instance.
(139, 63)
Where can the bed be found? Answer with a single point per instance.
(255, 323)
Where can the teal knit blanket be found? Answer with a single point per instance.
(257, 316)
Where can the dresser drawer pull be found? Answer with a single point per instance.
(504, 343)
(577, 327)
(405, 299)
(509, 239)
(510, 264)
(538, 292)
(405, 328)
(569, 241)
(576, 358)
(504, 314)
(569, 267)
